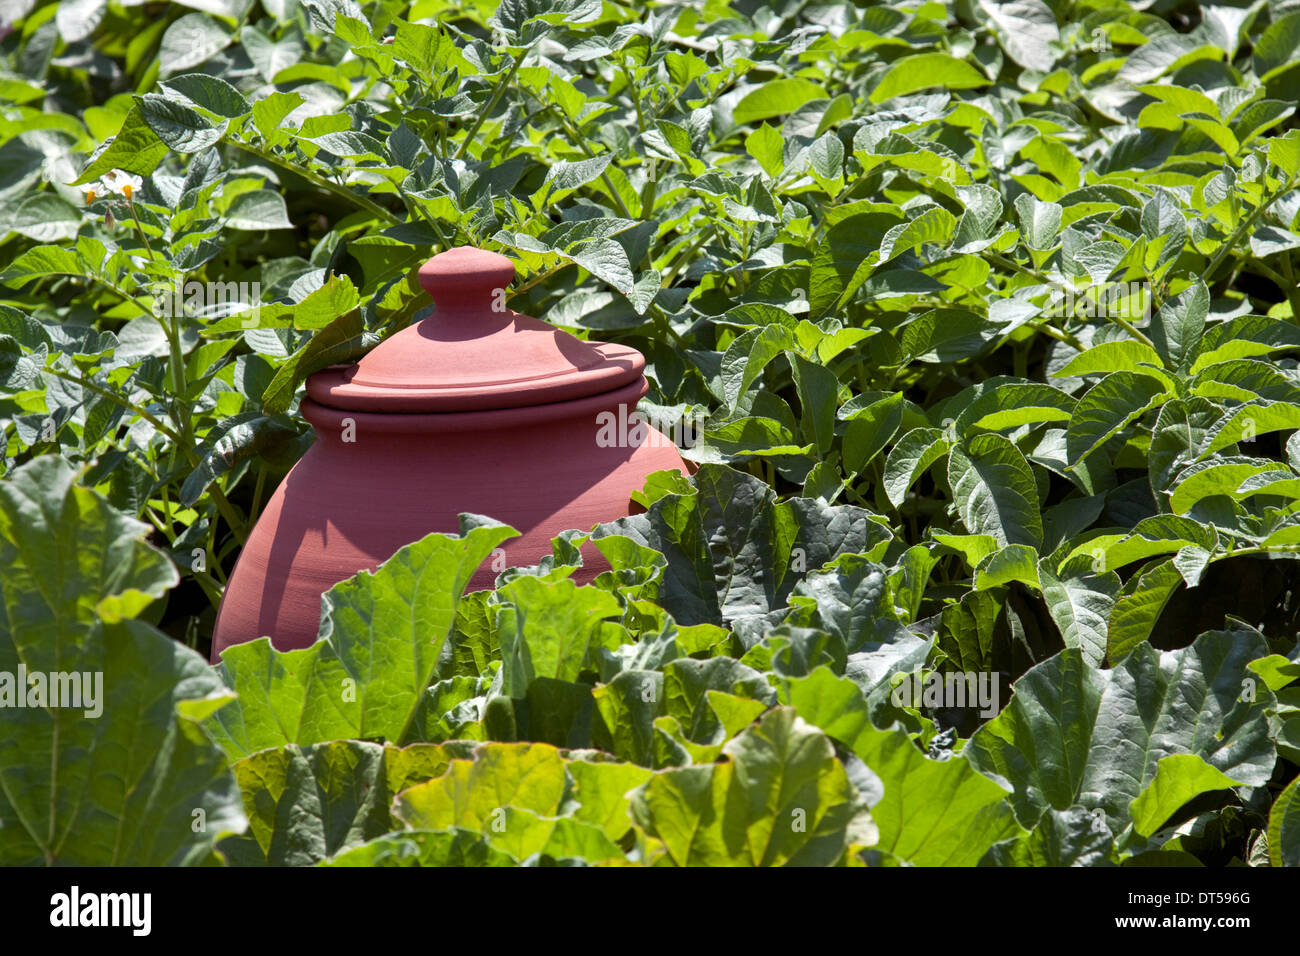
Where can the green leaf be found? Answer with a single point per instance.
(545, 629)
(258, 211)
(1081, 606)
(910, 457)
(1109, 407)
(307, 803)
(1284, 827)
(270, 112)
(1015, 562)
(1150, 537)
(1243, 337)
(1077, 735)
(525, 835)
(135, 149)
(571, 175)
(924, 70)
(102, 762)
(190, 41)
(41, 261)
(851, 601)
(973, 548)
(228, 444)
(605, 259)
(1179, 433)
(869, 430)
(747, 356)
(1218, 476)
(775, 98)
(1040, 222)
(1138, 607)
(734, 551)
(1122, 355)
(210, 93)
(1248, 421)
(381, 636)
(998, 405)
(44, 217)
(767, 146)
(1178, 326)
(931, 812)
(994, 490)
(946, 335)
(1026, 29)
(782, 800)
(983, 209)
(182, 129)
(1277, 47)
(1061, 838)
(511, 794)
(818, 389)
(1179, 778)
(934, 225)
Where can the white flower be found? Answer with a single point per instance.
(92, 191)
(123, 183)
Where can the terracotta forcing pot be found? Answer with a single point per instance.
(474, 409)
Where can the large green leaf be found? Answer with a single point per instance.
(545, 629)
(1081, 606)
(1179, 778)
(1178, 326)
(775, 98)
(102, 761)
(307, 803)
(513, 793)
(734, 551)
(381, 637)
(851, 600)
(1061, 838)
(1110, 406)
(924, 70)
(782, 800)
(995, 491)
(1026, 29)
(910, 457)
(1139, 605)
(1076, 735)
(931, 812)
(1284, 827)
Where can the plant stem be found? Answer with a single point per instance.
(139, 228)
(632, 92)
(1292, 292)
(492, 104)
(576, 137)
(257, 494)
(114, 397)
(540, 277)
(319, 181)
(1241, 230)
(681, 260)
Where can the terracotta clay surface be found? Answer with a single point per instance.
(471, 410)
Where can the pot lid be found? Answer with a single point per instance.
(472, 353)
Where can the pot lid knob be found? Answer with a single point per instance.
(467, 279)
(474, 353)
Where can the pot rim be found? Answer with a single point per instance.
(328, 417)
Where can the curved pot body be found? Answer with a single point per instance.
(374, 482)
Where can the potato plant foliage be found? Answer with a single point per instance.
(989, 311)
